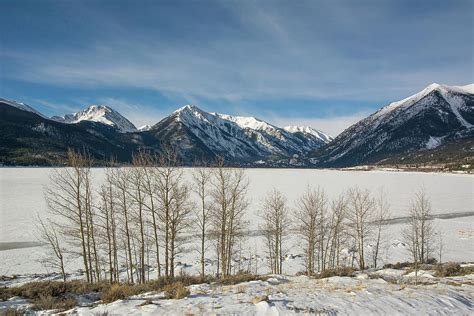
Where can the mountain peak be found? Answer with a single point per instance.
(144, 128)
(445, 91)
(308, 130)
(99, 113)
(21, 106)
(187, 108)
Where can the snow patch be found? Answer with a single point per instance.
(434, 142)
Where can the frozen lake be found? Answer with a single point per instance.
(21, 191)
(22, 199)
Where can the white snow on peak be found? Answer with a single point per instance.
(239, 135)
(21, 106)
(247, 122)
(101, 114)
(449, 93)
(144, 128)
(308, 130)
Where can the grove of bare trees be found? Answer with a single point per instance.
(137, 223)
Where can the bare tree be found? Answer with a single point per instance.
(382, 214)
(150, 184)
(69, 199)
(121, 187)
(419, 233)
(360, 213)
(337, 226)
(173, 198)
(440, 245)
(179, 216)
(111, 211)
(276, 224)
(138, 195)
(229, 190)
(202, 180)
(48, 233)
(309, 208)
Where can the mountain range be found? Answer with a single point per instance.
(418, 128)
(432, 126)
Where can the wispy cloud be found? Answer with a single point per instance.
(243, 52)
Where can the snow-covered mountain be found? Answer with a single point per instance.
(234, 137)
(144, 128)
(21, 106)
(101, 114)
(428, 119)
(309, 132)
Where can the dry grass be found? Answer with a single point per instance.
(48, 302)
(47, 295)
(239, 278)
(449, 269)
(117, 292)
(11, 312)
(258, 299)
(176, 291)
(346, 271)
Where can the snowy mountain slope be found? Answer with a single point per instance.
(27, 138)
(196, 134)
(101, 114)
(144, 128)
(21, 106)
(308, 132)
(425, 120)
(235, 137)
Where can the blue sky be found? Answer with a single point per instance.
(322, 63)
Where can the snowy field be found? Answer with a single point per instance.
(386, 291)
(21, 196)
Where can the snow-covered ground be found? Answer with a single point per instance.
(21, 196)
(386, 292)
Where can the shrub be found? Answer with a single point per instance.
(239, 278)
(431, 261)
(345, 271)
(117, 292)
(398, 265)
(176, 290)
(47, 302)
(10, 311)
(449, 269)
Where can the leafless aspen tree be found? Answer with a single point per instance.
(382, 214)
(69, 198)
(48, 233)
(309, 208)
(179, 220)
(150, 180)
(94, 264)
(440, 245)
(276, 224)
(173, 197)
(337, 230)
(229, 189)
(360, 213)
(137, 194)
(110, 211)
(121, 187)
(419, 233)
(202, 181)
